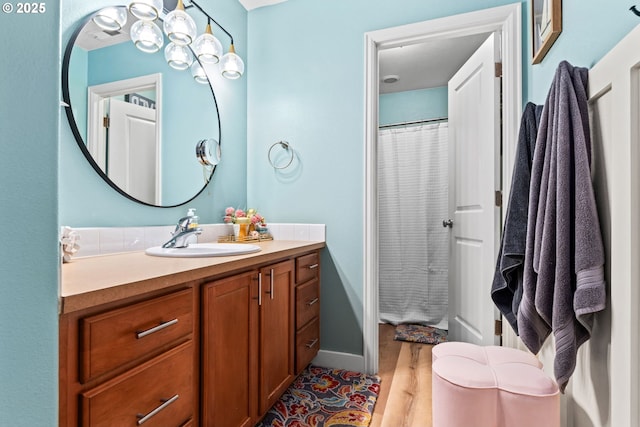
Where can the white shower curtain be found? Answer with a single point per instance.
(413, 244)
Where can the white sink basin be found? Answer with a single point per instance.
(197, 250)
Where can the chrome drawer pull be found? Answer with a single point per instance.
(160, 327)
(312, 343)
(271, 283)
(144, 418)
(312, 266)
(270, 291)
(313, 301)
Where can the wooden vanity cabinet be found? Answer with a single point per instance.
(248, 354)
(276, 333)
(217, 351)
(307, 300)
(230, 351)
(130, 362)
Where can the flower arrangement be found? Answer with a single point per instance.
(232, 216)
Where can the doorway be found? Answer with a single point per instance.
(507, 21)
(124, 134)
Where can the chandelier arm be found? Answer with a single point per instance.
(192, 2)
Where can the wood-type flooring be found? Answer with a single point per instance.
(405, 389)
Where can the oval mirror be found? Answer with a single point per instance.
(137, 120)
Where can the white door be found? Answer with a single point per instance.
(474, 171)
(133, 155)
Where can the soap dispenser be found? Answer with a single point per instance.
(193, 218)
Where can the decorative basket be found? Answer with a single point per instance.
(232, 239)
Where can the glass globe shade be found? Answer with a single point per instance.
(207, 47)
(231, 65)
(147, 10)
(111, 18)
(179, 27)
(146, 36)
(178, 57)
(198, 73)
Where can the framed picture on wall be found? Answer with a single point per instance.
(546, 25)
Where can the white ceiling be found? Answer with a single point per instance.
(252, 4)
(426, 65)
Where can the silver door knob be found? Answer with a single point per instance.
(447, 223)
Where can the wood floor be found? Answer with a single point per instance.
(405, 389)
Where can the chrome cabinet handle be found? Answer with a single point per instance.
(259, 288)
(166, 402)
(312, 343)
(312, 266)
(313, 301)
(447, 223)
(161, 326)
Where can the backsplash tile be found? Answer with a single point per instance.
(109, 240)
(317, 232)
(89, 241)
(134, 239)
(156, 236)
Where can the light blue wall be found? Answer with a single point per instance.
(413, 105)
(30, 94)
(85, 200)
(307, 87)
(590, 28)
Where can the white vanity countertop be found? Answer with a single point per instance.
(87, 282)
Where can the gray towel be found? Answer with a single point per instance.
(564, 257)
(506, 290)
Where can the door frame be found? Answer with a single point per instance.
(505, 19)
(97, 94)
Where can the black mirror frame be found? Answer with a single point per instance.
(78, 137)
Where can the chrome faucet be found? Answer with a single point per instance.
(185, 228)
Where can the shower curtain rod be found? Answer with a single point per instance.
(416, 122)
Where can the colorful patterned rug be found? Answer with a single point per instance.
(420, 334)
(322, 397)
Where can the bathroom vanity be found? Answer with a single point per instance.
(186, 341)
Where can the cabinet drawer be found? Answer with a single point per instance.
(120, 336)
(160, 392)
(307, 344)
(307, 267)
(307, 302)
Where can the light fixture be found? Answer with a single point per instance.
(111, 18)
(146, 36)
(147, 10)
(391, 78)
(231, 65)
(207, 47)
(178, 56)
(179, 26)
(198, 73)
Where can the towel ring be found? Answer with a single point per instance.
(286, 146)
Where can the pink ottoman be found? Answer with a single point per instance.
(476, 386)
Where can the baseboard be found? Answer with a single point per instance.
(337, 360)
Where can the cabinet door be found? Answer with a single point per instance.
(276, 332)
(230, 351)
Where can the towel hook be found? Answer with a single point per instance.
(634, 10)
(285, 145)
